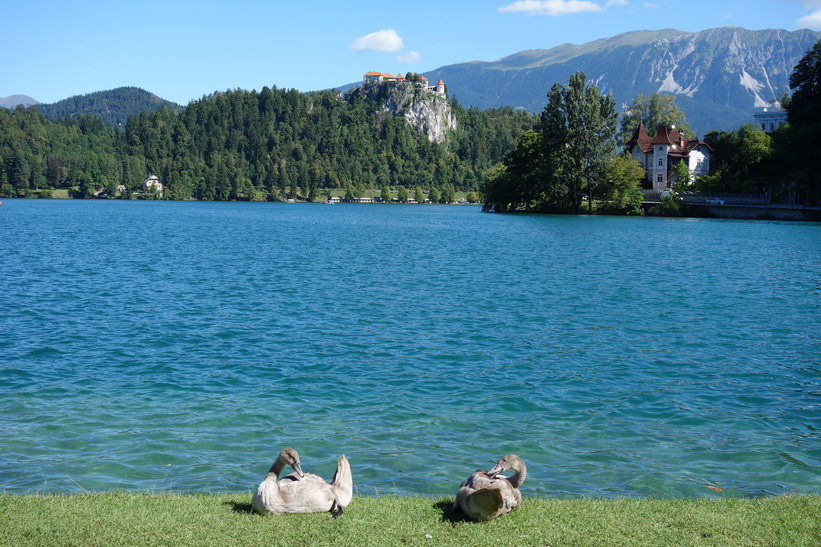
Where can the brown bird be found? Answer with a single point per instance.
(487, 494)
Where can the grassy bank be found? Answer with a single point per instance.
(226, 519)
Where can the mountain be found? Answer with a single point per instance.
(13, 101)
(114, 106)
(719, 76)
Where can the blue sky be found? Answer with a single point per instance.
(183, 50)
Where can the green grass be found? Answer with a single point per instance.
(226, 519)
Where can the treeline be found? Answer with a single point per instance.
(244, 145)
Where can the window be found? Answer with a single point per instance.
(661, 162)
(661, 149)
(660, 178)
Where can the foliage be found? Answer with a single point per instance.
(683, 177)
(736, 155)
(654, 110)
(561, 157)
(620, 189)
(799, 147)
(670, 205)
(517, 181)
(226, 519)
(804, 107)
(577, 125)
(244, 145)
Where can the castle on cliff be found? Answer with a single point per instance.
(373, 77)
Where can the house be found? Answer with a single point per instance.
(659, 155)
(374, 77)
(153, 186)
(769, 119)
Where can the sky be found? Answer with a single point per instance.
(185, 50)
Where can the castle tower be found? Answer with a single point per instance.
(440, 87)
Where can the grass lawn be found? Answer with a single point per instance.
(226, 519)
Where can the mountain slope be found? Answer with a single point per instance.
(719, 75)
(13, 101)
(114, 106)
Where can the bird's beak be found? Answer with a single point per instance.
(495, 471)
(298, 468)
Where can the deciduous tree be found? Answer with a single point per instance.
(578, 128)
(654, 110)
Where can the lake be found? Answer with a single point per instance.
(178, 346)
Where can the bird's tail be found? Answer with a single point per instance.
(342, 483)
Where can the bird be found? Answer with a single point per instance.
(486, 495)
(303, 492)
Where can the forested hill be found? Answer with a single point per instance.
(242, 145)
(114, 106)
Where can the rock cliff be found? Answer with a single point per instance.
(424, 110)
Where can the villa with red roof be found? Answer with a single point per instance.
(659, 155)
(374, 77)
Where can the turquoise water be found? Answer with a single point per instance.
(159, 346)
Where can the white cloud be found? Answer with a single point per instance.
(554, 8)
(410, 57)
(812, 20)
(650, 5)
(382, 40)
(616, 3)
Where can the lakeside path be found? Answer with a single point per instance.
(122, 518)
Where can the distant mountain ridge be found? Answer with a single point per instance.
(719, 76)
(13, 101)
(113, 106)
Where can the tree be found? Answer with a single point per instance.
(402, 194)
(577, 128)
(385, 195)
(654, 110)
(804, 115)
(683, 178)
(620, 190)
(517, 181)
(737, 157)
(804, 107)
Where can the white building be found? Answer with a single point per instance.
(152, 185)
(659, 155)
(769, 119)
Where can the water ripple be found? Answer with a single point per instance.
(619, 357)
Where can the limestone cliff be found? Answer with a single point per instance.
(424, 110)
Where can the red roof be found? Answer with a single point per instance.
(668, 136)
